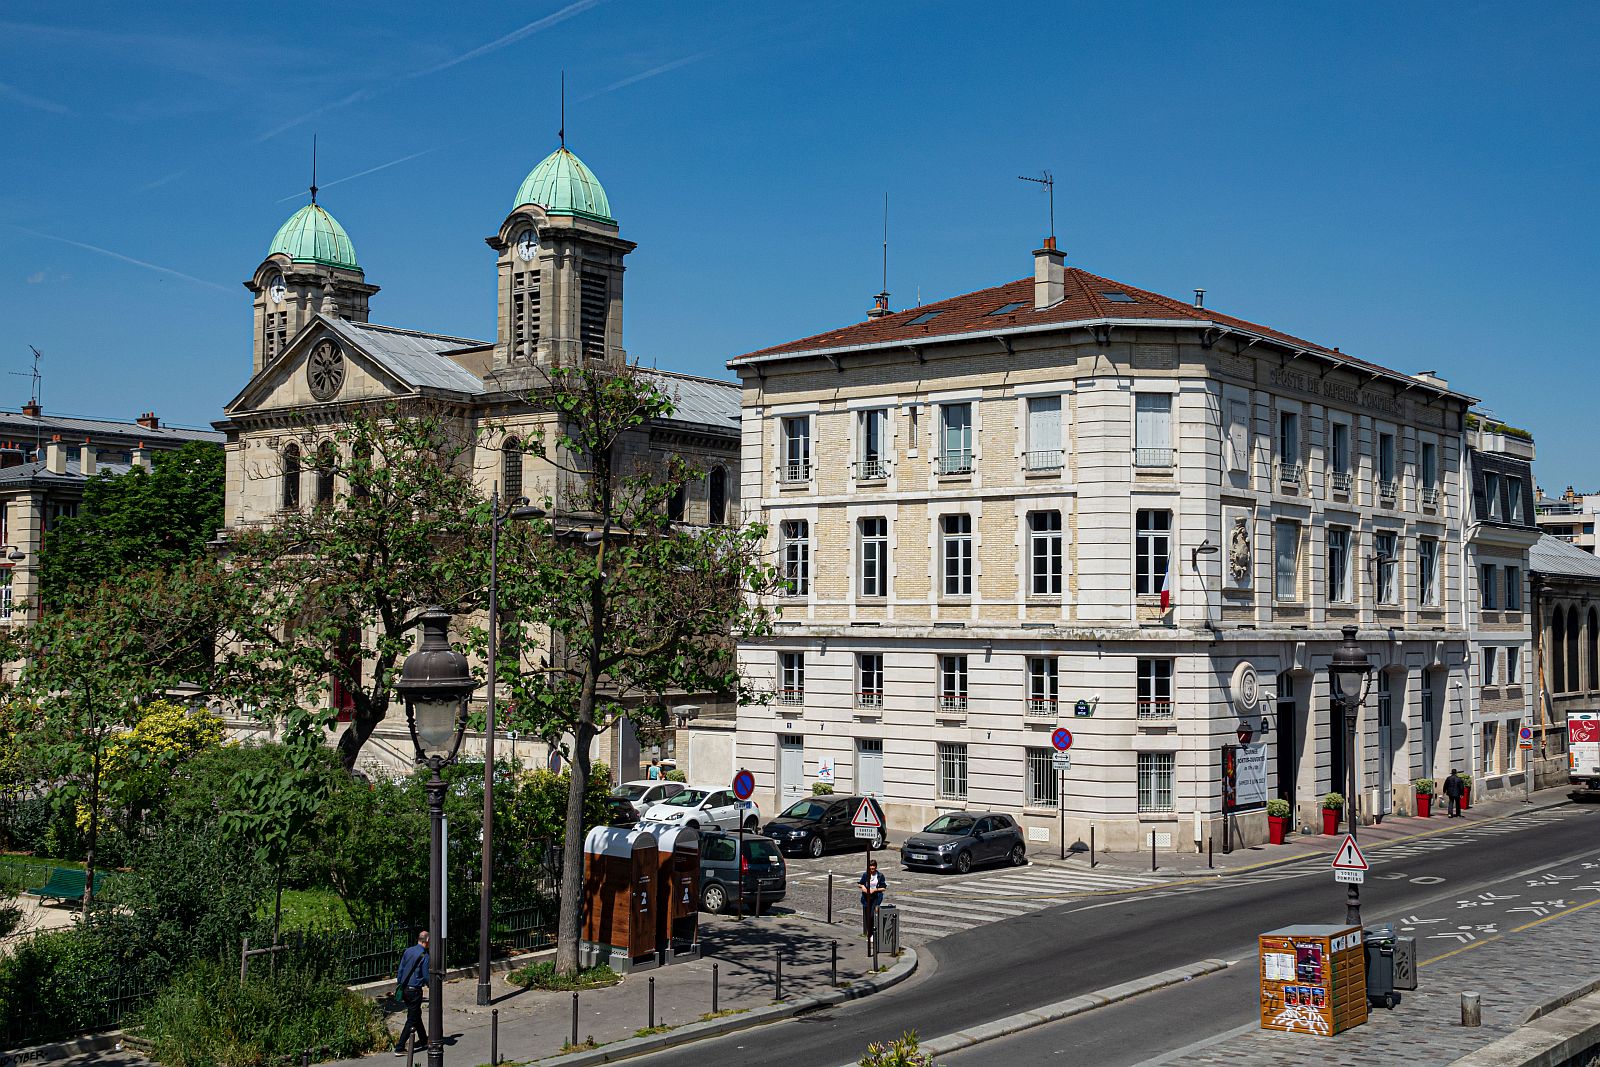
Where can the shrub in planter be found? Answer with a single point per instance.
(821, 789)
(1277, 819)
(1424, 788)
(1332, 808)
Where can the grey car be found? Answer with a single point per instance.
(762, 867)
(962, 839)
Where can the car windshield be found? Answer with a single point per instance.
(761, 851)
(949, 824)
(629, 792)
(804, 809)
(689, 798)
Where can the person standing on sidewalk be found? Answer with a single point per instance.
(413, 979)
(1453, 788)
(872, 886)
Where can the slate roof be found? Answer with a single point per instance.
(1553, 556)
(26, 429)
(35, 473)
(1086, 299)
(415, 357)
(703, 401)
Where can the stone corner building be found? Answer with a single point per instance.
(1068, 501)
(316, 356)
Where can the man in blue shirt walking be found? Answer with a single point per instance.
(412, 980)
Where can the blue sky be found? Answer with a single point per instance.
(1414, 183)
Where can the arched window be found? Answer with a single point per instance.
(511, 472)
(1558, 651)
(359, 476)
(1573, 681)
(326, 462)
(677, 502)
(291, 476)
(717, 497)
(1594, 649)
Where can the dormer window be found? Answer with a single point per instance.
(924, 318)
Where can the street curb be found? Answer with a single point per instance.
(691, 1032)
(61, 1050)
(1063, 1009)
(1559, 1037)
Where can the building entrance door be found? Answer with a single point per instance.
(791, 768)
(869, 766)
(1288, 748)
(1430, 724)
(1385, 746)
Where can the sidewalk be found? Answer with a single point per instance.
(534, 1025)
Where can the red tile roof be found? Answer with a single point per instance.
(1085, 300)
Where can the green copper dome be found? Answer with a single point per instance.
(313, 236)
(562, 185)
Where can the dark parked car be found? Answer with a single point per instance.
(961, 839)
(721, 866)
(811, 826)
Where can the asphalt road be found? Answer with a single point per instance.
(1050, 955)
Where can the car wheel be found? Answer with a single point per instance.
(693, 825)
(750, 824)
(715, 898)
(815, 848)
(963, 862)
(880, 842)
(1019, 855)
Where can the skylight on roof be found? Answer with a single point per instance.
(925, 317)
(1118, 298)
(1006, 309)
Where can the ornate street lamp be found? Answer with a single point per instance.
(435, 684)
(1350, 677)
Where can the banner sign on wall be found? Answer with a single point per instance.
(1244, 777)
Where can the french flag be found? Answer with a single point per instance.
(1166, 587)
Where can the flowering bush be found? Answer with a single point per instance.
(903, 1051)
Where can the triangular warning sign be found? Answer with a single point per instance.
(1349, 857)
(865, 816)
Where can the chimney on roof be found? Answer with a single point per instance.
(1199, 298)
(149, 421)
(86, 459)
(55, 456)
(138, 457)
(1432, 378)
(1049, 275)
(32, 409)
(880, 306)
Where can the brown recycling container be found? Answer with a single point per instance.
(678, 919)
(621, 873)
(1313, 979)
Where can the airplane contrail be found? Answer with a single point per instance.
(651, 73)
(126, 259)
(374, 170)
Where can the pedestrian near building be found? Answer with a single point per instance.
(1453, 788)
(872, 887)
(412, 980)
(654, 773)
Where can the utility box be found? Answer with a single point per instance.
(1313, 979)
(888, 931)
(621, 878)
(678, 918)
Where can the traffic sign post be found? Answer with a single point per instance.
(1062, 739)
(1525, 737)
(744, 784)
(1349, 865)
(868, 826)
(1062, 762)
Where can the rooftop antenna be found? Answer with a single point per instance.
(33, 400)
(562, 132)
(313, 168)
(1048, 180)
(880, 303)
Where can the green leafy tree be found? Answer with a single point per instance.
(337, 591)
(631, 605)
(154, 519)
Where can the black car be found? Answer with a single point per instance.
(720, 867)
(957, 841)
(811, 826)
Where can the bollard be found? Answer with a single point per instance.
(651, 1017)
(1152, 851)
(574, 1018)
(757, 913)
(833, 965)
(1471, 1010)
(1091, 848)
(830, 898)
(494, 1038)
(874, 953)
(713, 989)
(777, 975)
(411, 1053)
(1209, 854)
(305, 1058)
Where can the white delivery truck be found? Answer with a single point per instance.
(1583, 748)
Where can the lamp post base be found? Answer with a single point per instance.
(1352, 906)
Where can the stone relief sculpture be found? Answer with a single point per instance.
(1239, 553)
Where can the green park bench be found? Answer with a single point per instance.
(65, 883)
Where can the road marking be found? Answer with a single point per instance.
(1557, 915)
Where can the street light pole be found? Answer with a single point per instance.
(1350, 675)
(435, 914)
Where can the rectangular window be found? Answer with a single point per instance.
(1339, 450)
(952, 683)
(1152, 430)
(1044, 553)
(1155, 781)
(1490, 656)
(1152, 547)
(1427, 571)
(796, 555)
(1386, 547)
(1513, 665)
(1514, 499)
(1491, 495)
(1286, 553)
(875, 557)
(792, 678)
(952, 772)
(869, 680)
(594, 307)
(1491, 746)
(1338, 574)
(1238, 443)
(1487, 575)
(5, 594)
(1387, 489)
(1043, 681)
(1155, 689)
(1513, 588)
(1042, 778)
(957, 531)
(1044, 434)
(796, 465)
(955, 438)
(1429, 462)
(1289, 446)
(872, 462)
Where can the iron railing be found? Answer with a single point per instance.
(955, 462)
(791, 696)
(1044, 459)
(1155, 709)
(1044, 706)
(872, 469)
(1340, 481)
(1152, 457)
(953, 702)
(795, 470)
(869, 698)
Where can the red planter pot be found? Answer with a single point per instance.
(1466, 798)
(1277, 826)
(1330, 820)
(1424, 805)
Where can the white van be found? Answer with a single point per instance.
(1583, 748)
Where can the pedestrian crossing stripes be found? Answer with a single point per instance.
(935, 910)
